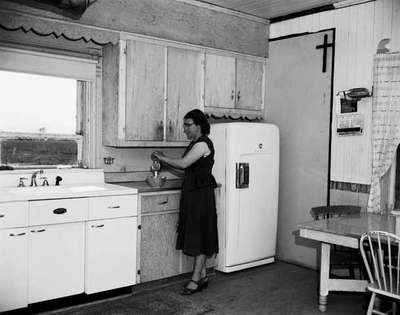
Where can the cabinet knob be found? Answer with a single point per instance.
(232, 95)
(238, 96)
(38, 231)
(114, 207)
(1, 215)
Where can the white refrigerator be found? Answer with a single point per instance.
(247, 167)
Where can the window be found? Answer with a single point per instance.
(44, 97)
(38, 120)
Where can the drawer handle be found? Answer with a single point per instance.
(114, 207)
(59, 211)
(97, 226)
(163, 202)
(2, 215)
(20, 234)
(38, 231)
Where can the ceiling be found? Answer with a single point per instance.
(270, 9)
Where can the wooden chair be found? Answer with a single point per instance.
(381, 255)
(341, 258)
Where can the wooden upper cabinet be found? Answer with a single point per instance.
(234, 85)
(145, 80)
(148, 86)
(219, 81)
(249, 84)
(184, 81)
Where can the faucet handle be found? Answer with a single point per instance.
(21, 182)
(45, 182)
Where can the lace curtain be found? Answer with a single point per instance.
(385, 121)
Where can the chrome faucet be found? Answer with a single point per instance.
(33, 177)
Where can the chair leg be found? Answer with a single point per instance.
(371, 303)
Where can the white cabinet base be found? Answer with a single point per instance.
(110, 254)
(56, 261)
(13, 269)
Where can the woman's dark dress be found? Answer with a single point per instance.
(197, 226)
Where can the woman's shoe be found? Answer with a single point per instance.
(203, 282)
(189, 291)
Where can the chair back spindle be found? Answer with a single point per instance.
(381, 255)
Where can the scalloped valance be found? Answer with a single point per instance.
(235, 117)
(12, 21)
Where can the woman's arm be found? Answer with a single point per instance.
(199, 149)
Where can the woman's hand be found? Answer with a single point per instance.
(157, 155)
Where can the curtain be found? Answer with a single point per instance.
(385, 121)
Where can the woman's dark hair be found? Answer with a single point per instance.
(199, 118)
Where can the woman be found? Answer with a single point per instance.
(197, 226)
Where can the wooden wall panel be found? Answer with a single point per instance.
(359, 29)
(172, 20)
(133, 164)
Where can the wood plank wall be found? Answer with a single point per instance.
(359, 29)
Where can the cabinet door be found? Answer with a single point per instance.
(56, 261)
(110, 254)
(13, 269)
(249, 88)
(158, 256)
(219, 81)
(144, 111)
(183, 89)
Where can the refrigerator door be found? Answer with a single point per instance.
(251, 212)
(251, 222)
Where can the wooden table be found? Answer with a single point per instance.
(345, 231)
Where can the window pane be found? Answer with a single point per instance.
(18, 152)
(36, 103)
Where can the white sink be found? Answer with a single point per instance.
(36, 190)
(86, 188)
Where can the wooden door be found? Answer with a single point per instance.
(299, 102)
(110, 245)
(158, 256)
(13, 269)
(144, 113)
(220, 80)
(56, 261)
(249, 81)
(184, 76)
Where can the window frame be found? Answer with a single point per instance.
(83, 70)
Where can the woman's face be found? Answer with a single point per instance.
(191, 130)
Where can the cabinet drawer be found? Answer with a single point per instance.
(112, 207)
(58, 211)
(13, 214)
(162, 202)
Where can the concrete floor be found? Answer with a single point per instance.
(277, 288)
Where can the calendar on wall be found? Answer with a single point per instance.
(349, 124)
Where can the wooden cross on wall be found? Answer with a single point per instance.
(325, 47)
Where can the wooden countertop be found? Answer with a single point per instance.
(143, 187)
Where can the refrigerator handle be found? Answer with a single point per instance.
(242, 175)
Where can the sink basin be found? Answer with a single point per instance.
(42, 190)
(35, 190)
(86, 188)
